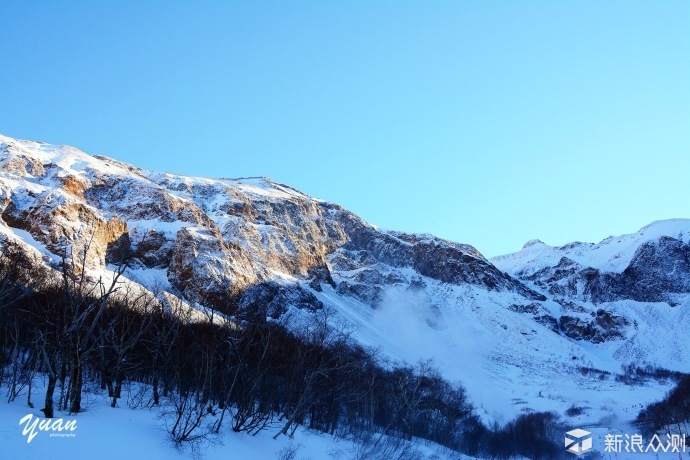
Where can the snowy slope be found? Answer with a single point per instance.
(509, 363)
(117, 433)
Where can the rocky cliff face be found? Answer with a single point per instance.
(240, 244)
(213, 237)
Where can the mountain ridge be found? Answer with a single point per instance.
(507, 327)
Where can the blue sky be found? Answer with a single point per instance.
(483, 122)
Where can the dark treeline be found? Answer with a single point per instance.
(670, 415)
(636, 375)
(248, 372)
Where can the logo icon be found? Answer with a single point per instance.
(578, 441)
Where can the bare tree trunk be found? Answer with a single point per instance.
(62, 402)
(117, 392)
(28, 395)
(48, 406)
(75, 390)
(156, 396)
(52, 380)
(14, 358)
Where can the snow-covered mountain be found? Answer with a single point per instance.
(650, 265)
(520, 331)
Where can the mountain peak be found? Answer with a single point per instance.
(533, 242)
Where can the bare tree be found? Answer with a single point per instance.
(124, 325)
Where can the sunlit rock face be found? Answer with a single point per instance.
(215, 237)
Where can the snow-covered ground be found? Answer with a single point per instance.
(115, 433)
(120, 433)
(505, 373)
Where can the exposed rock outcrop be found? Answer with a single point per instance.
(216, 238)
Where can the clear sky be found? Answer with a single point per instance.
(483, 122)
